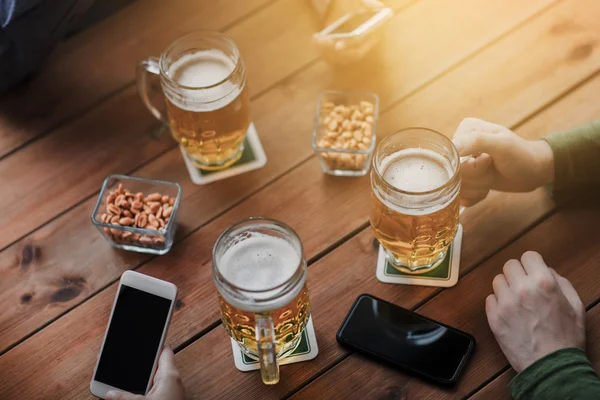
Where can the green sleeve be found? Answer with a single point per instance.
(565, 374)
(576, 161)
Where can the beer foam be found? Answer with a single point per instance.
(199, 70)
(260, 262)
(416, 171)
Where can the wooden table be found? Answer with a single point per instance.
(530, 65)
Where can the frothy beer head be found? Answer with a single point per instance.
(201, 70)
(416, 170)
(259, 263)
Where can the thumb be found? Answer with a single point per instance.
(118, 395)
(474, 143)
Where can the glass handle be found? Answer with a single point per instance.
(149, 66)
(265, 338)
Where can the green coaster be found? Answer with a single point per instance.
(307, 349)
(444, 275)
(253, 157)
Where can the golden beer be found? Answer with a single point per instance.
(260, 274)
(289, 322)
(415, 198)
(204, 84)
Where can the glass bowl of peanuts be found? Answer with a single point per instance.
(344, 132)
(137, 214)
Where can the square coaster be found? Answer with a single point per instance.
(307, 350)
(445, 275)
(253, 157)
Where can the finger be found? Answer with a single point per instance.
(569, 291)
(491, 303)
(477, 167)
(534, 264)
(500, 286)
(166, 364)
(470, 197)
(479, 142)
(118, 395)
(514, 273)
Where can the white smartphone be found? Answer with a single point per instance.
(135, 335)
(357, 25)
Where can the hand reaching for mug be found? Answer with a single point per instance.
(167, 383)
(534, 311)
(501, 160)
(339, 51)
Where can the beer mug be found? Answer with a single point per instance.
(260, 274)
(204, 85)
(415, 185)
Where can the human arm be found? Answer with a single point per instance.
(501, 160)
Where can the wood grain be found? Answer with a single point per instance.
(45, 178)
(290, 104)
(95, 63)
(189, 268)
(574, 256)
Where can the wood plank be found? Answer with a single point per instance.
(145, 29)
(198, 306)
(576, 258)
(498, 388)
(69, 83)
(45, 178)
(202, 245)
(289, 104)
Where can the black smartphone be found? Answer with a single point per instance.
(406, 339)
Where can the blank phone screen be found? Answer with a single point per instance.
(405, 338)
(132, 340)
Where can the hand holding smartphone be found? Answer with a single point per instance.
(135, 335)
(352, 36)
(403, 338)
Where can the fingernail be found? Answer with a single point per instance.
(111, 394)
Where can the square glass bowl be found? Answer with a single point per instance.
(118, 216)
(341, 140)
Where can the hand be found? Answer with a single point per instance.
(501, 160)
(534, 311)
(167, 382)
(339, 51)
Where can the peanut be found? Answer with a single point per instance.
(126, 221)
(142, 221)
(114, 210)
(145, 240)
(154, 206)
(154, 197)
(152, 220)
